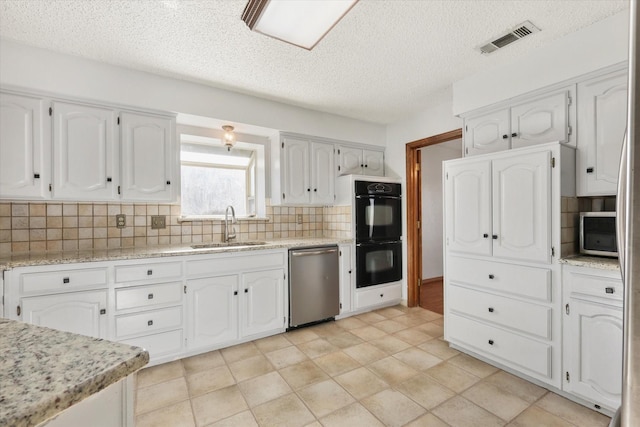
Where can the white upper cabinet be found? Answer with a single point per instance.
(24, 169)
(147, 157)
(468, 207)
(522, 207)
(487, 133)
(308, 172)
(536, 120)
(500, 207)
(84, 152)
(541, 120)
(602, 117)
(360, 162)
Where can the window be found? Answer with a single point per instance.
(214, 178)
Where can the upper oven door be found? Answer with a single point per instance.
(378, 218)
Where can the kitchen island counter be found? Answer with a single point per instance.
(45, 371)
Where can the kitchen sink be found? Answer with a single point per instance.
(227, 244)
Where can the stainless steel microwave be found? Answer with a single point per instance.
(598, 234)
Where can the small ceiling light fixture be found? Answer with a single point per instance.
(229, 138)
(302, 23)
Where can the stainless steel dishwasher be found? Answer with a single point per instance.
(314, 291)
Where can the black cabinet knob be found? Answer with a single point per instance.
(381, 295)
(109, 180)
(36, 176)
(65, 280)
(149, 272)
(485, 235)
(150, 323)
(366, 166)
(308, 189)
(490, 309)
(361, 165)
(490, 342)
(315, 190)
(609, 290)
(246, 291)
(590, 169)
(495, 237)
(505, 136)
(513, 135)
(235, 292)
(150, 296)
(168, 182)
(491, 276)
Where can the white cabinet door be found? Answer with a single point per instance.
(602, 117)
(346, 278)
(263, 302)
(373, 162)
(85, 150)
(296, 186)
(78, 312)
(350, 161)
(522, 207)
(487, 133)
(322, 174)
(24, 154)
(541, 120)
(147, 157)
(468, 207)
(212, 311)
(595, 366)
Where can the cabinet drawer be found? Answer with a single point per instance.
(62, 280)
(588, 282)
(529, 282)
(159, 345)
(165, 270)
(370, 297)
(221, 265)
(530, 318)
(502, 346)
(148, 296)
(148, 322)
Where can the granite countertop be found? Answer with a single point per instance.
(602, 263)
(24, 259)
(44, 371)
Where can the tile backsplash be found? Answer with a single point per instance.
(55, 226)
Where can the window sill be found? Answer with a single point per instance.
(192, 218)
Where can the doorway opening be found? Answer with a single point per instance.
(423, 165)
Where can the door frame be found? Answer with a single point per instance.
(414, 210)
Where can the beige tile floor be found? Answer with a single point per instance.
(389, 367)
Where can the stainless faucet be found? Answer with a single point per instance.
(229, 230)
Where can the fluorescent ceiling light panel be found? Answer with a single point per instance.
(299, 22)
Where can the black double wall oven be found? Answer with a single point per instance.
(378, 223)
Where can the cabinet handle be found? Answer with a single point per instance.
(149, 272)
(235, 292)
(590, 169)
(609, 290)
(490, 342)
(308, 189)
(366, 166)
(485, 235)
(349, 271)
(381, 295)
(361, 165)
(505, 136)
(150, 296)
(65, 280)
(491, 276)
(103, 311)
(513, 135)
(150, 323)
(490, 309)
(246, 291)
(168, 182)
(18, 310)
(109, 179)
(315, 190)
(36, 176)
(495, 237)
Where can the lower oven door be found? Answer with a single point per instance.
(378, 263)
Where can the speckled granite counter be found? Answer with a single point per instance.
(44, 371)
(602, 263)
(47, 258)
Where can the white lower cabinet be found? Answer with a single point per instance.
(593, 336)
(78, 312)
(347, 275)
(212, 311)
(378, 295)
(262, 306)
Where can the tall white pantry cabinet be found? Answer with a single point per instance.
(502, 244)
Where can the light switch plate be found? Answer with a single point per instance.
(158, 222)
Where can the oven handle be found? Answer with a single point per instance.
(376, 196)
(386, 242)
(319, 252)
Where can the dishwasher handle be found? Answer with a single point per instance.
(314, 252)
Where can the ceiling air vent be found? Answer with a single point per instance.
(513, 35)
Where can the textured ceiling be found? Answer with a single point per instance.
(385, 60)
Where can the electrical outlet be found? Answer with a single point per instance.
(299, 218)
(121, 221)
(158, 222)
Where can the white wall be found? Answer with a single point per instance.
(47, 71)
(431, 121)
(597, 46)
(431, 186)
